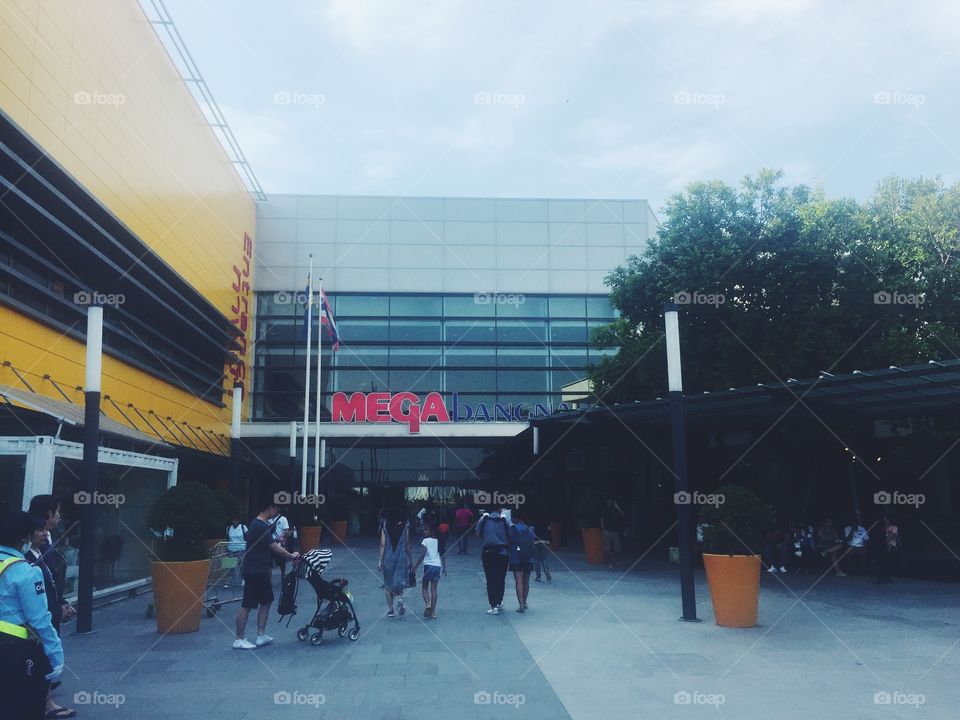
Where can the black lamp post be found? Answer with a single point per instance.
(679, 432)
(88, 474)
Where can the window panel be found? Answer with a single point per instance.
(370, 330)
(415, 331)
(522, 357)
(416, 305)
(600, 307)
(514, 331)
(520, 305)
(518, 380)
(416, 380)
(568, 307)
(466, 356)
(568, 331)
(470, 381)
(363, 305)
(416, 356)
(479, 331)
(469, 306)
(362, 356)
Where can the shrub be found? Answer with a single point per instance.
(193, 512)
(736, 526)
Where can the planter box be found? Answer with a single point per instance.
(178, 589)
(734, 582)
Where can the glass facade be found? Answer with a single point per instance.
(506, 348)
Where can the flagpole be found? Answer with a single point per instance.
(306, 381)
(317, 460)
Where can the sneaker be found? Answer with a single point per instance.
(426, 611)
(783, 569)
(390, 613)
(771, 569)
(495, 610)
(537, 579)
(547, 572)
(243, 644)
(263, 640)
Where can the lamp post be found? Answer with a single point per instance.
(679, 432)
(88, 477)
(235, 441)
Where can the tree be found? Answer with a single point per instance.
(776, 282)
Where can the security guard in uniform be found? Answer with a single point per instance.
(31, 654)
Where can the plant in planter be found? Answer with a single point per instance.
(588, 515)
(184, 517)
(733, 534)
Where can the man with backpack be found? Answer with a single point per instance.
(522, 541)
(493, 533)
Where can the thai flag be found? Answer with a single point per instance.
(326, 318)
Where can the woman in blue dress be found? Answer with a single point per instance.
(395, 558)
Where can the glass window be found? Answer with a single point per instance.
(600, 307)
(514, 331)
(415, 331)
(520, 305)
(362, 356)
(286, 330)
(567, 307)
(569, 357)
(478, 331)
(416, 305)
(519, 380)
(568, 331)
(360, 380)
(467, 381)
(478, 305)
(416, 356)
(466, 356)
(416, 380)
(278, 304)
(352, 330)
(366, 305)
(522, 357)
(559, 378)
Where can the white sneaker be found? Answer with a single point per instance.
(771, 569)
(782, 569)
(494, 610)
(243, 644)
(263, 640)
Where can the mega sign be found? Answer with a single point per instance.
(408, 408)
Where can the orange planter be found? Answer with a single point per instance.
(178, 589)
(309, 537)
(593, 545)
(734, 582)
(556, 530)
(338, 528)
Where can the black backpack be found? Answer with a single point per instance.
(288, 595)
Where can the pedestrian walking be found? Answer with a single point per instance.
(42, 554)
(522, 541)
(611, 522)
(492, 531)
(394, 559)
(462, 520)
(433, 564)
(257, 564)
(27, 666)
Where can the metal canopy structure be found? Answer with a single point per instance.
(929, 389)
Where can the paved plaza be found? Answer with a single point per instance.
(596, 644)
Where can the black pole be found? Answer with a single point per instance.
(87, 498)
(684, 510)
(235, 441)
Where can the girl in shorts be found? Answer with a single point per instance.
(433, 565)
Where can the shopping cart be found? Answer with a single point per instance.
(225, 583)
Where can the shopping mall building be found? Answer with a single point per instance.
(123, 186)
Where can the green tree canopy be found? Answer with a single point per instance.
(776, 281)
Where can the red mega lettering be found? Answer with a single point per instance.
(403, 407)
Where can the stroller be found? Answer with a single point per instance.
(337, 613)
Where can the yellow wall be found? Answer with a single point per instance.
(36, 350)
(91, 82)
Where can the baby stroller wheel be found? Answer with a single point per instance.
(302, 634)
(354, 634)
(342, 630)
(316, 638)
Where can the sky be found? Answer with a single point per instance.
(580, 99)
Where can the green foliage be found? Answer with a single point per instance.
(798, 273)
(736, 526)
(195, 513)
(589, 512)
(337, 507)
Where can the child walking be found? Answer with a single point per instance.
(433, 564)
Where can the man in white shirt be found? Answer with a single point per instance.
(856, 537)
(281, 535)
